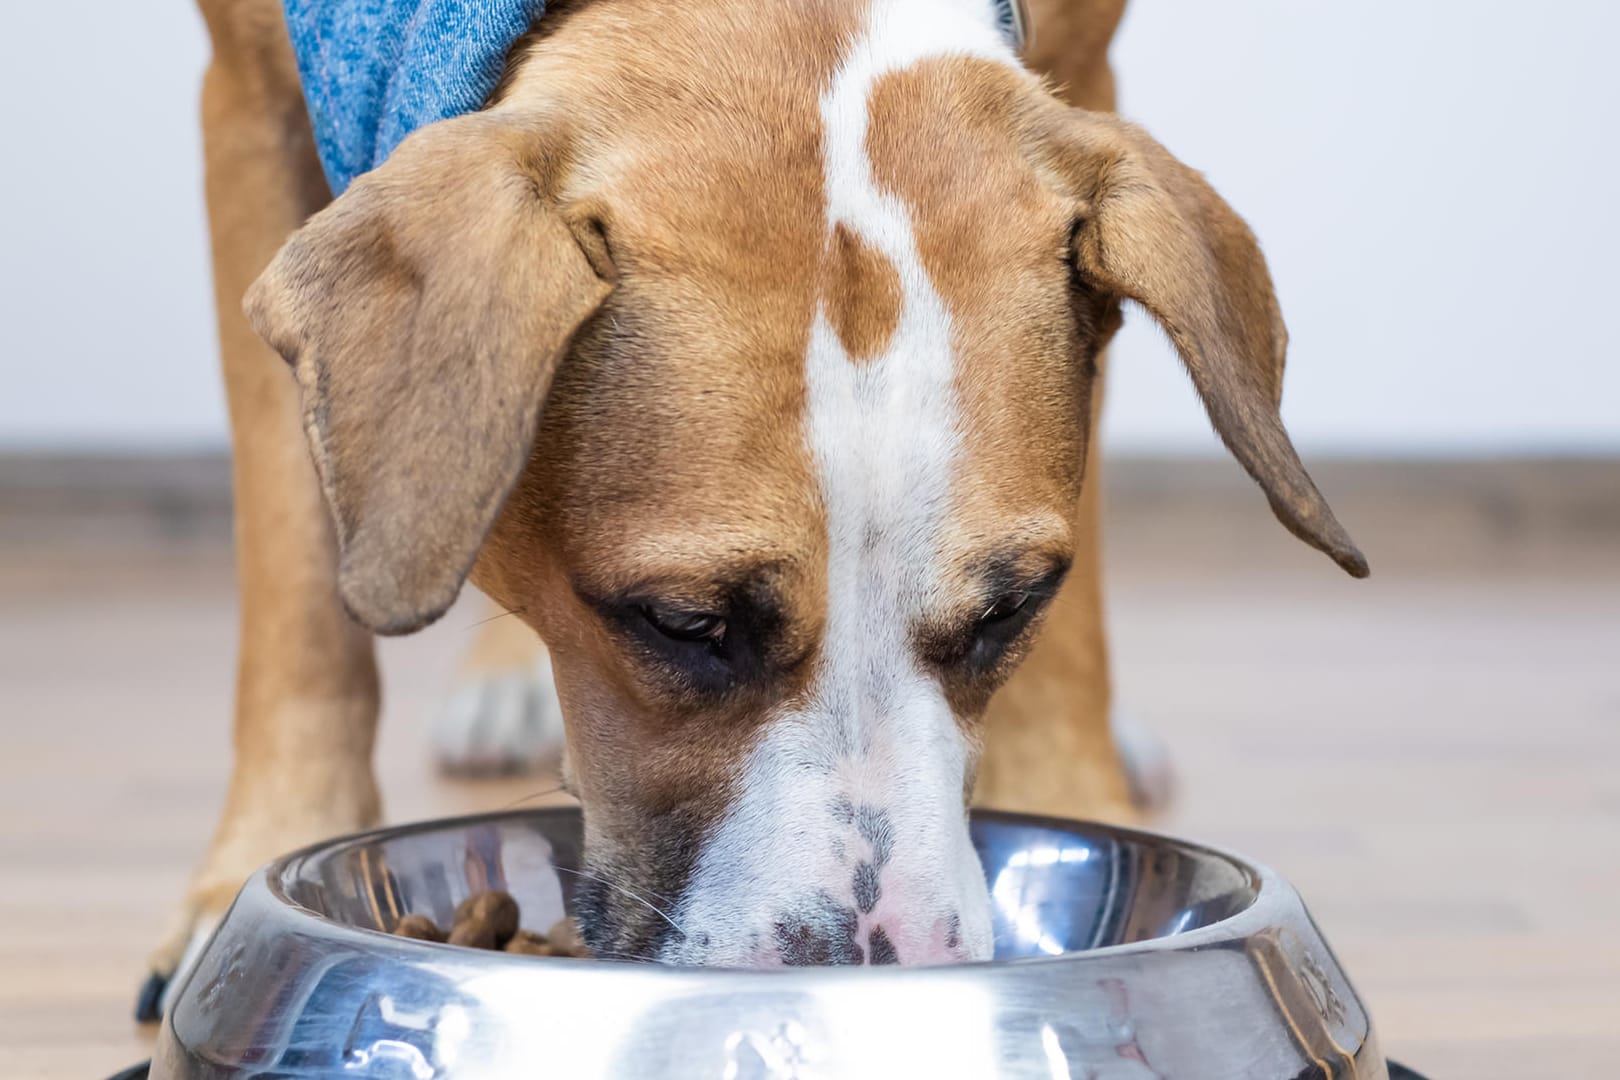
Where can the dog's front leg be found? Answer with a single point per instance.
(306, 697)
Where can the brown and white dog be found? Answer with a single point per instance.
(749, 351)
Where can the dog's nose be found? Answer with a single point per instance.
(917, 942)
(829, 934)
(823, 933)
(915, 950)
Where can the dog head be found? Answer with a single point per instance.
(746, 351)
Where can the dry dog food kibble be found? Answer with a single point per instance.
(420, 927)
(565, 939)
(530, 943)
(489, 920)
(485, 920)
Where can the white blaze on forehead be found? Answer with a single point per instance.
(877, 732)
(884, 432)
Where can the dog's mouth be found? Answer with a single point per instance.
(622, 921)
(632, 922)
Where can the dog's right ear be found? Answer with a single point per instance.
(1149, 229)
(424, 313)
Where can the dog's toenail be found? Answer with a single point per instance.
(149, 1003)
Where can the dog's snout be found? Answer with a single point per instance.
(825, 932)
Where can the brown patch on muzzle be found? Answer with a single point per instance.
(861, 294)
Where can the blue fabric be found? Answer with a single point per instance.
(1012, 19)
(376, 70)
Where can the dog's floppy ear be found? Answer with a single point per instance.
(424, 313)
(1150, 229)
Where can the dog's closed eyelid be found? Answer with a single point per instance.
(661, 569)
(1039, 573)
(691, 599)
(662, 592)
(964, 635)
(685, 625)
(751, 642)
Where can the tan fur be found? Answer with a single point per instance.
(306, 685)
(1048, 741)
(409, 307)
(561, 342)
(656, 466)
(861, 296)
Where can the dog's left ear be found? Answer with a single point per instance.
(424, 314)
(1149, 229)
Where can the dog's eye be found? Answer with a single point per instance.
(1003, 622)
(686, 625)
(1006, 607)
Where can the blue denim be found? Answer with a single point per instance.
(376, 70)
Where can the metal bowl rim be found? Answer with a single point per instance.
(1268, 888)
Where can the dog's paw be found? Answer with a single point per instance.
(259, 825)
(173, 959)
(500, 722)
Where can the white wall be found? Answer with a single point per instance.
(106, 311)
(1436, 183)
(1437, 187)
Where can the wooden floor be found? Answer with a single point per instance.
(1432, 756)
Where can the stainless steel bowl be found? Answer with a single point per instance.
(1119, 955)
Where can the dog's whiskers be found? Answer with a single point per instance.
(536, 795)
(648, 892)
(631, 893)
(492, 618)
(618, 954)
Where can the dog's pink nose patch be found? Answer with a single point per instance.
(940, 943)
(825, 932)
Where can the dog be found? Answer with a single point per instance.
(750, 353)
